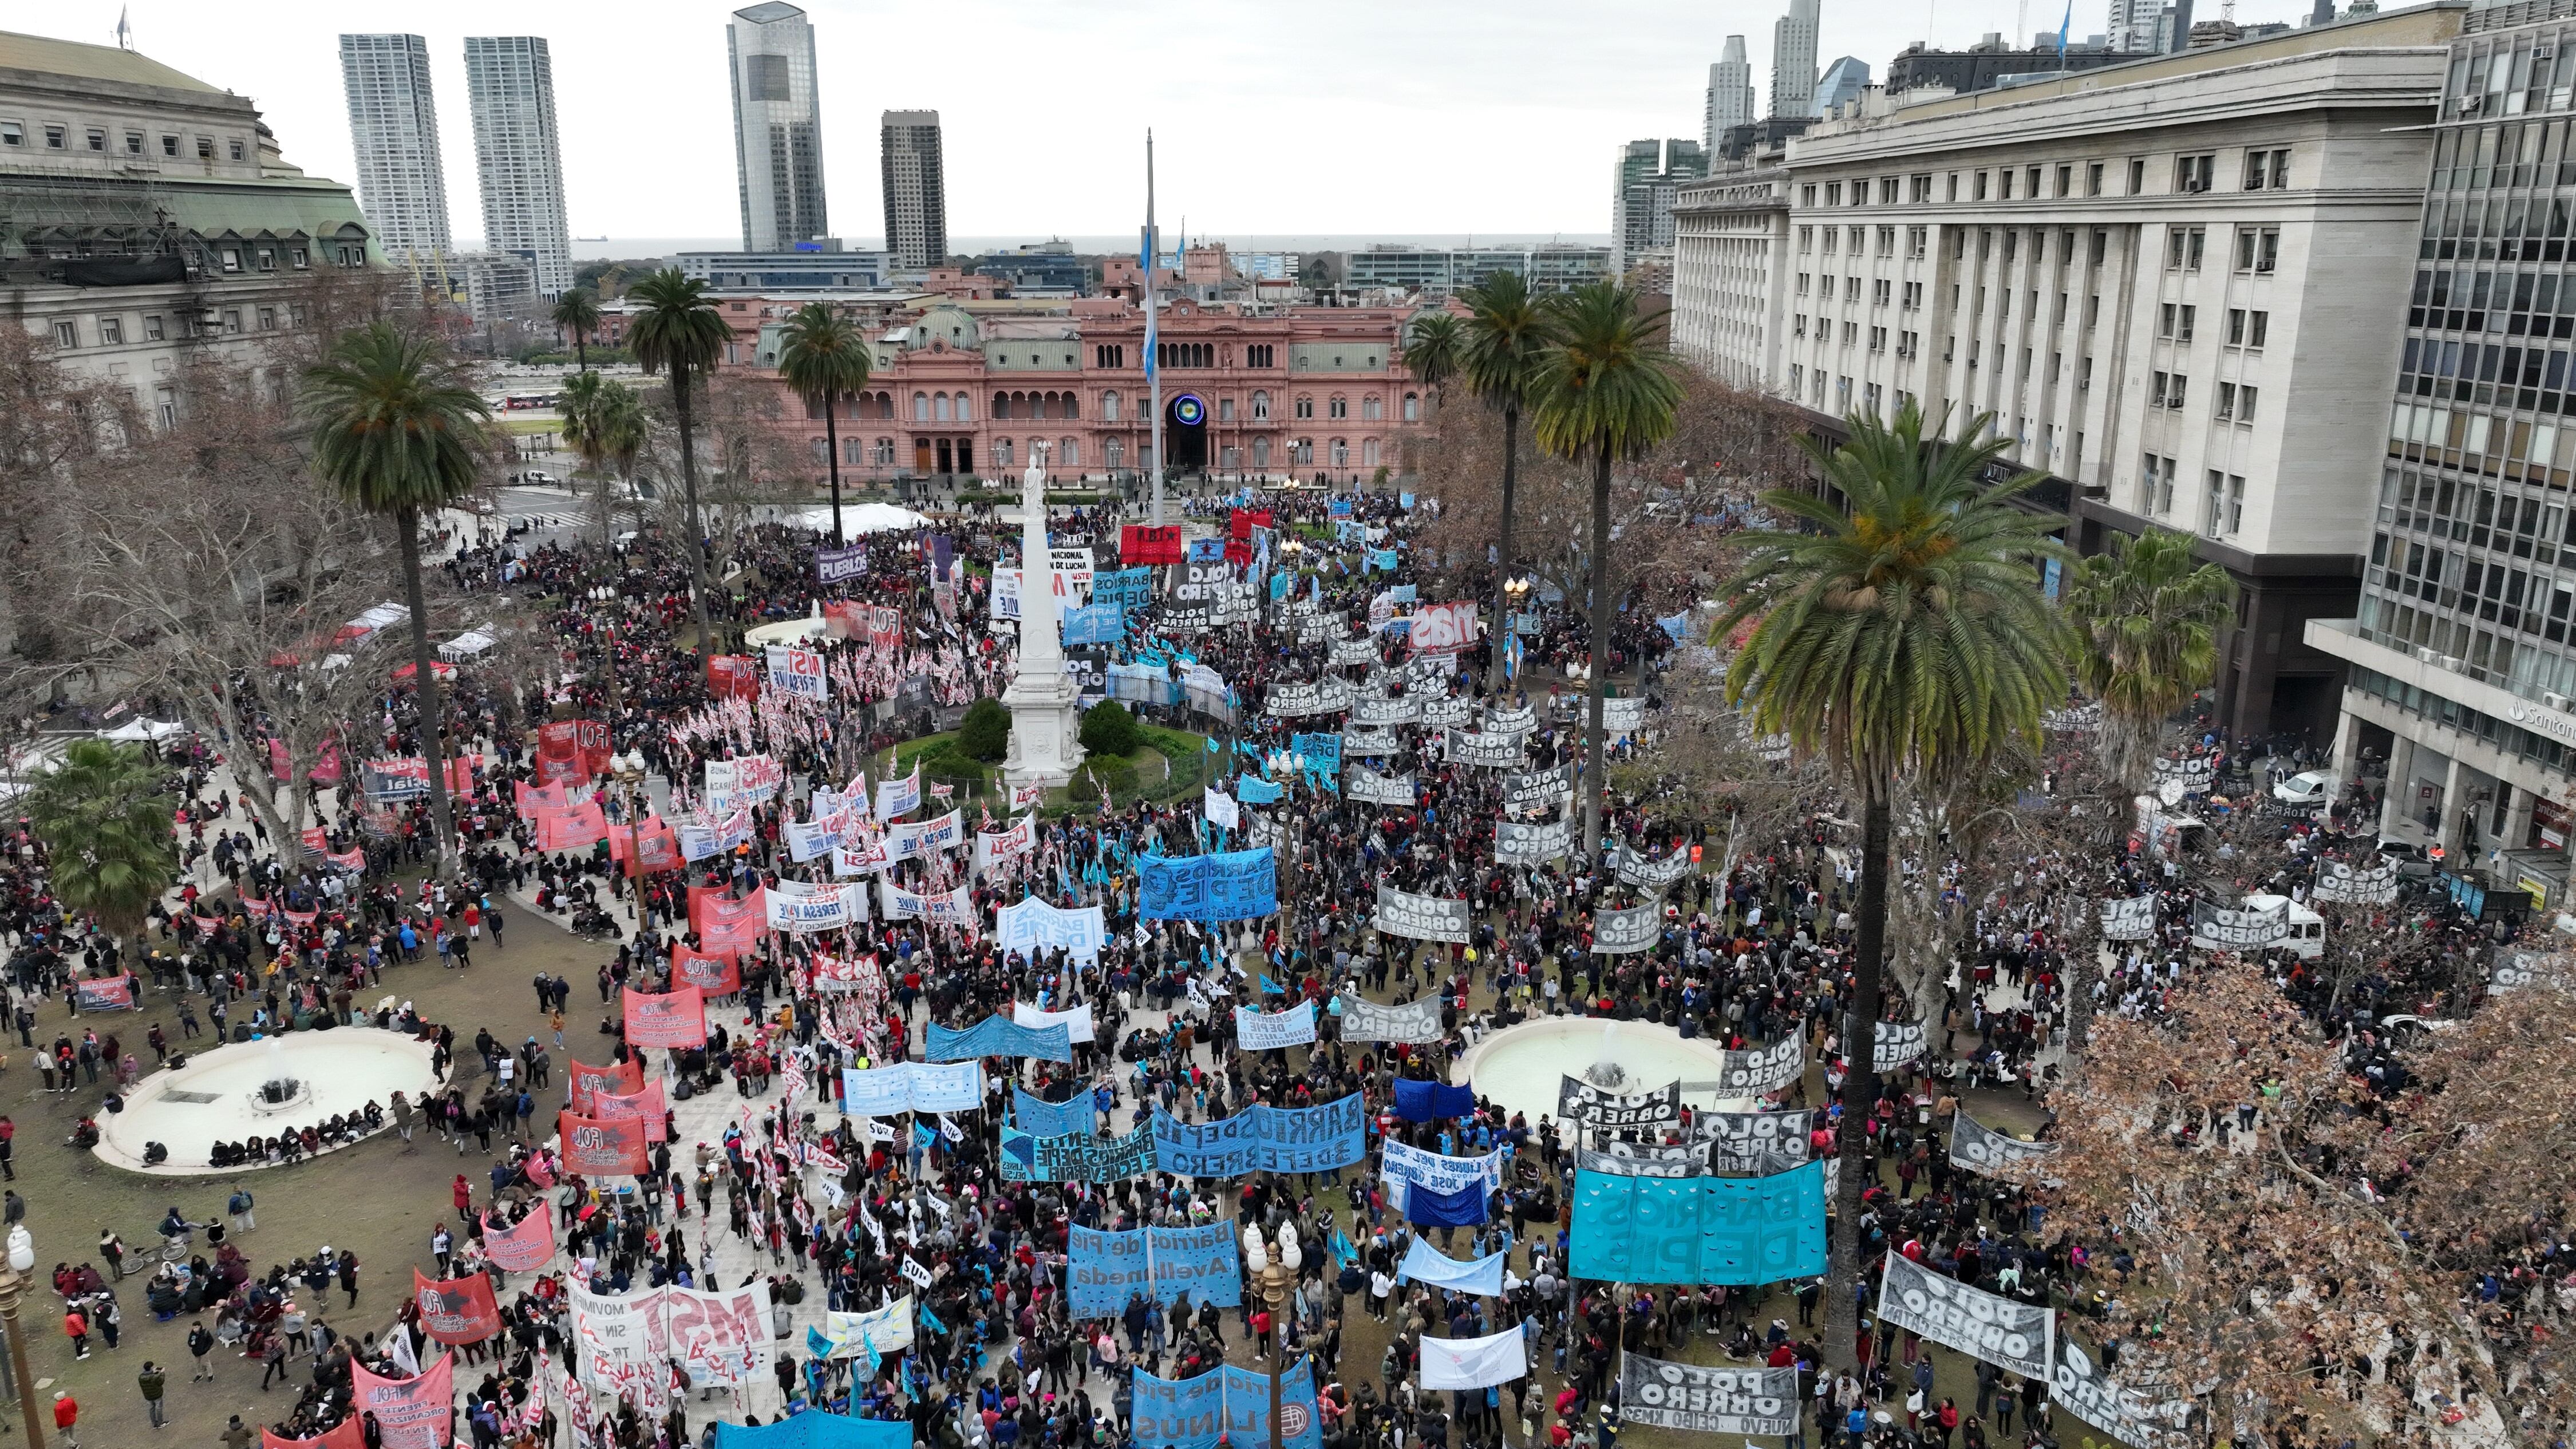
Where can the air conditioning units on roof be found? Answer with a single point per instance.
(2554, 701)
(2427, 656)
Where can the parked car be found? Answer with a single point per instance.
(2312, 787)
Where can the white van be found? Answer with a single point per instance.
(2307, 929)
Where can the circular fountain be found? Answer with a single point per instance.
(1521, 1067)
(259, 1089)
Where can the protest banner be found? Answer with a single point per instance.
(1754, 1144)
(840, 565)
(456, 1311)
(673, 1019)
(1474, 1363)
(413, 1413)
(1732, 1230)
(1537, 792)
(1178, 1413)
(1980, 1148)
(1256, 1031)
(706, 973)
(1650, 874)
(1041, 1118)
(1444, 628)
(586, 1081)
(1520, 843)
(1076, 1156)
(105, 993)
(1234, 885)
(801, 907)
(1424, 1263)
(912, 1087)
(1764, 1069)
(1645, 1159)
(1419, 917)
(2217, 929)
(1894, 1043)
(995, 849)
(620, 1343)
(720, 1338)
(1626, 932)
(1140, 543)
(2130, 919)
(899, 797)
(1205, 1262)
(1076, 1022)
(1495, 752)
(646, 1106)
(1403, 1167)
(1262, 1138)
(996, 1036)
(1707, 1398)
(1103, 1270)
(1032, 927)
(1580, 1101)
(1413, 1022)
(2003, 1331)
(2338, 883)
(603, 1147)
(524, 1247)
(2149, 1419)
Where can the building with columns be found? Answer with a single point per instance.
(962, 387)
(2171, 284)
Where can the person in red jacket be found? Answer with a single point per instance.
(66, 1414)
(464, 1195)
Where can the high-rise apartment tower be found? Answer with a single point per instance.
(1730, 95)
(510, 84)
(393, 127)
(916, 194)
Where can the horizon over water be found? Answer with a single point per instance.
(588, 249)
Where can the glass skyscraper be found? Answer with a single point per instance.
(777, 127)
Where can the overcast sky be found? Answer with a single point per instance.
(1320, 117)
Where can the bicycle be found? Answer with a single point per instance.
(159, 1250)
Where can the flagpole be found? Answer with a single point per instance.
(1153, 371)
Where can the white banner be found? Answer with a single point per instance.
(1422, 918)
(1984, 1325)
(1256, 1031)
(723, 1338)
(1222, 811)
(1077, 1022)
(2341, 884)
(798, 672)
(1032, 926)
(899, 797)
(1516, 843)
(2130, 919)
(1474, 1363)
(1626, 932)
(1368, 787)
(1767, 1069)
(913, 841)
(797, 906)
(994, 848)
(1414, 1022)
(1980, 1148)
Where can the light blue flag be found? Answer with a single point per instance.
(1424, 1263)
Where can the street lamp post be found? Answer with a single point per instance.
(13, 1283)
(1275, 1275)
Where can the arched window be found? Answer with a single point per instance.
(1002, 452)
(1341, 452)
(1109, 410)
(1261, 407)
(1001, 406)
(939, 407)
(1340, 407)
(1413, 407)
(1302, 451)
(965, 408)
(1368, 452)
(1305, 407)
(1068, 454)
(1117, 452)
(1261, 452)
(921, 407)
(1370, 410)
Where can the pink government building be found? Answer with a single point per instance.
(965, 381)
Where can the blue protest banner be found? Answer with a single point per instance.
(1321, 752)
(1243, 885)
(1247, 1407)
(911, 1087)
(1171, 888)
(1338, 508)
(1094, 624)
(1263, 1139)
(1132, 590)
(1424, 1263)
(1040, 1118)
(998, 1036)
(815, 1429)
(1381, 558)
(1179, 1413)
(1404, 500)
(1280, 584)
(1461, 1209)
(1431, 1101)
(1206, 551)
(1204, 1262)
(1103, 1270)
(1254, 790)
(1400, 594)
(1741, 1231)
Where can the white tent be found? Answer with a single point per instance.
(138, 729)
(382, 616)
(860, 518)
(467, 645)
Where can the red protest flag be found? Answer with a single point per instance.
(456, 1310)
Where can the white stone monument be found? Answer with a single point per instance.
(1045, 703)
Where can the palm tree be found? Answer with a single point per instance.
(577, 312)
(104, 818)
(681, 330)
(1431, 350)
(603, 423)
(822, 355)
(397, 427)
(1606, 392)
(1506, 331)
(1902, 633)
(2146, 622)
